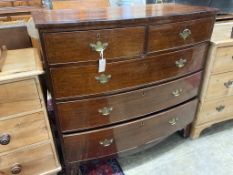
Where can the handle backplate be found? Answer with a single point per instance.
(173, 121)
(180, 63)
(5, 139)
(186, 33)
(105, 111)
(98, 46)
(16, 168)
(103, 79)
(106, 142)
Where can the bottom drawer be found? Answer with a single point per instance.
(33, 161)
(119, 138)
(215, 110)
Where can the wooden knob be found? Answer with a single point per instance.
(5, 139)
(16, 168)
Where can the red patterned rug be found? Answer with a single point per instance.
(103, 167)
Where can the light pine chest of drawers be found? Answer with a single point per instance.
(26, 142)
(155, 58)
(216, 98)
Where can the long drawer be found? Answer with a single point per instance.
(94, 112)
(162, 37)
(31, 161)
(215, 109)
(65, 47)
(22, 131)
(112, 140)
(79, 81)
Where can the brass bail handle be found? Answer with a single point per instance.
(220, 108)
(229, 84)
(103, 78)
(106, 142)
(105, 111)
(98, 46)
(173, 121)
(180, 63)
(185, 34)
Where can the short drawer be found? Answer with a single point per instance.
(215, 109)
(22, 131)
(18, 97)
(162, 37)
(95, 112)
(65, 47)
(220, 85)
(32, 161)
(77, 81)
(223, 60)
(112, 140)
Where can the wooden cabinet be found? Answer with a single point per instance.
(217, 95)
(149, 89)
(26, 142)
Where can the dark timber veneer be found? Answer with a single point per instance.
(155, 60)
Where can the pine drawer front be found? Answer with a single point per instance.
(32, 161)
(66, 47)
(216, 110)
(116, 139)
(153, 69)
(162, 37)
(22, 131)
(223, 60)
(220, 85)
(18, 97)
(96, 112)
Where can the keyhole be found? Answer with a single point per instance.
(142, 124)
(143, 93)
(98, 36)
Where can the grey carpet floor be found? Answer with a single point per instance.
(211, 154)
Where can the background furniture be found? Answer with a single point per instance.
(149, 88)
(217, 96)
(26, 142)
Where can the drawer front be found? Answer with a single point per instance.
(33, 161)
(223, 60)
(23, 131)
(76, 81)
(85, 114)
(220, 85)
(162, 37)
(18, 91)
(216, 109)
(112, 140)
(18, 97)
(75, 46)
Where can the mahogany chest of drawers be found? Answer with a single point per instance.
(155, 57)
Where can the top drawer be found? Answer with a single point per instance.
(65, 47)
(162, 37)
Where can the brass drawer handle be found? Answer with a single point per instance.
(106, 142)
(229, 84)
(181, 63)
(177, 92)
(173, 121)
(220, 108)
(185, 34)
(105, 111)
(5, 139)
(16, 168)
(98, 46)
(103, 79)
